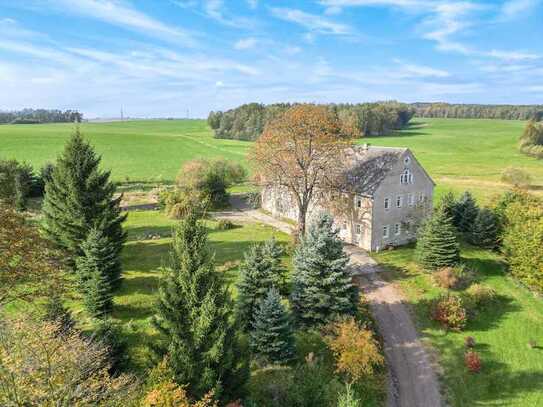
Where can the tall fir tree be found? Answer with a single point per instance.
(449, 205)
(466, 212)
(78, 197)
(271, 336)
(97, 271)
(195, 318)
(437, 243)
(322, 288)
(273, 251)
(255, 279)
(484, 231)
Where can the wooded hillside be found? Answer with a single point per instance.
(464, 111)
(30, 116)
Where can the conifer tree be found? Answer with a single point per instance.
(484, 232)
(78, 197)
(466, 212)
(322, 288)
(449, 204)
(97, 270)
(194, 317)
(271, 336)
(273, 252)
(255, 279)
(437, 243)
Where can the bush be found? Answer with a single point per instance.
(469, 342)
(456, 277)
(473, 361)
(179, 203)
(517, 177)
(225, 224)
(16, 183)
(449, 311)
(481, 295)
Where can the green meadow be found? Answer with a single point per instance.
(459, 154)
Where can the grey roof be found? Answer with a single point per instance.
(367, 167)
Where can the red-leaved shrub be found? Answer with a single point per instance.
(450, 312)
(473, 361)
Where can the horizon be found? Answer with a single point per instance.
(185, 58)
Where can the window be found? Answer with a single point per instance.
(410, 199)
(359, 202)
(397, 229)
(387, 203)
(407, 160)
(399, 201)
(407, 227)
(358, 229)
(385, 231)
(406, 177)
(422, 197)
(344, 226)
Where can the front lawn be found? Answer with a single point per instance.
(512, 372)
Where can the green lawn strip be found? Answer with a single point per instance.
(512, 371)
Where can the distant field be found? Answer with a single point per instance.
(459, 154)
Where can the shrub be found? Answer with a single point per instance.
(16, 182)
(225, 224)
(456, 277)
(484, 231)
(355, 349)
(469, 342)
(348, 398)
(179, 203)
(170, 394)
(473, 361)
(481, 295)
(449, 311)
(517, 177)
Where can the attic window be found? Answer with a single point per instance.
(407, 160)
(406, 177)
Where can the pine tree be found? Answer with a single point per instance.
(466, 212)
(78, 197)
(273, 251)
(194, 317)
(98, 270)
(437, 244)
(255, 279)
(484, 232)
(322, 285)
(271, 336)
(449, 204)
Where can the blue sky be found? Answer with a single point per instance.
(170, 57)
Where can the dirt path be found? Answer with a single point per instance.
(412, 380)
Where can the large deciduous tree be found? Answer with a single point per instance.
(78, 197)
(301, 151)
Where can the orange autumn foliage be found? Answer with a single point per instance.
(355, 349)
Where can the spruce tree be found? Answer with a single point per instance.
(484, 232)
(273, 252)
(195, 318)
(437, 243)
(97, 270)
(271, 336)
(78, 197)
(466, 212)
(255, 278)
(449, 204)
(322, 288)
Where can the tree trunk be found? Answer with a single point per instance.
(302, 212)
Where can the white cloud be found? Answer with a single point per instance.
(512, 55)
(292, 50)
(216, 10)
(413, 70)
(515, 8)
(123, 15)
(245, 43)
(312, 22)
(252, 4)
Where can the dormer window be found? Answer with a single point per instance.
(406, 177)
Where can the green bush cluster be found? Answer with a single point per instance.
(531, 141)
(18, 183)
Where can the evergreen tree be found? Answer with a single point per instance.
(437, 244)
(322, 285)
(273, 252)
(78, 197)
(484, 232)
(194, 316)
(271, 336)
(255, 278)
(449, 205)
(466, 212)
(97, 269)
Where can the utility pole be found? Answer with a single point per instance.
(122, 114)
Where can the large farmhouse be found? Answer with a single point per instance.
(386, 196)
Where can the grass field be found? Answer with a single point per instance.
(459, 154)
(512, 372)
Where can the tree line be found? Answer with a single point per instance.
(473, 111)
(247, 122)
(32, 116)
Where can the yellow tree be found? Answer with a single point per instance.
(301, 151)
